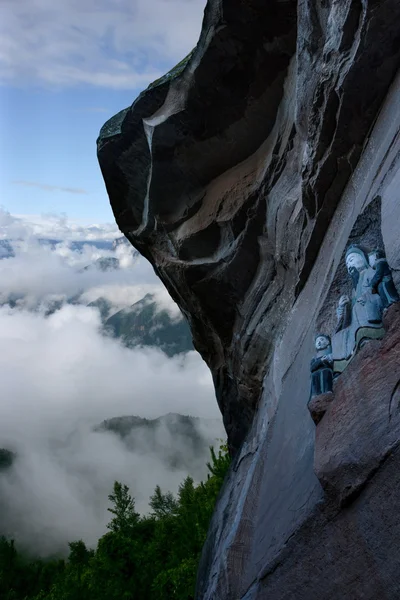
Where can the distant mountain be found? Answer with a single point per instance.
(77, 246)
(53, 307)
(12, 299)
(105, 307)
(144, 324)
(141, 324)
(109, 263)
(182, 426)
(180, 442)
(6, 459)
(6, 249)
(121, 241)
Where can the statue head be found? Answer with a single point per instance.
(374, 256)
(322, 341)
(356, 259)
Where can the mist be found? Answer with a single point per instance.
(61, 376)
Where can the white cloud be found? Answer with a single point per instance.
(41, 274)
(105, 44)
(50, 188)
(60, 377)
(123, 296)
(36, 272)
(65, 362)
(53, 226)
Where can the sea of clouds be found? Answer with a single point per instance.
(61, 376)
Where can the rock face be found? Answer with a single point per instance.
(361, 426)
(242, 176)
(319, 405)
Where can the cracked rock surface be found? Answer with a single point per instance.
(240, 176)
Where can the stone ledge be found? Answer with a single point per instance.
(319, 405)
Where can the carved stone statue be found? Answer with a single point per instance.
(322, 366)
(382, 281)
(359, 318)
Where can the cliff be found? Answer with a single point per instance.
(243, 175)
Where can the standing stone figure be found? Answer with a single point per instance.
(382, 281)
(359, 318)
(322, 366)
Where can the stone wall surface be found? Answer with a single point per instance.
(242, 175)
(361, 425)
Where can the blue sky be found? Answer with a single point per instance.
(65, 68)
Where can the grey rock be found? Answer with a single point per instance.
(318, 405)
(241, 179)
(265, 109)
(362, 424)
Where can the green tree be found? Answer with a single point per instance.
(123, 509)
(153, 557)
(163, 505)
(219, 464)
(176, 576)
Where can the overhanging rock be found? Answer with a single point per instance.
(240, 177)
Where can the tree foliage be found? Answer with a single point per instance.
(154, 557)
(123, 509)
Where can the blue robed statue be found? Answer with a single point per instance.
(359, 316)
